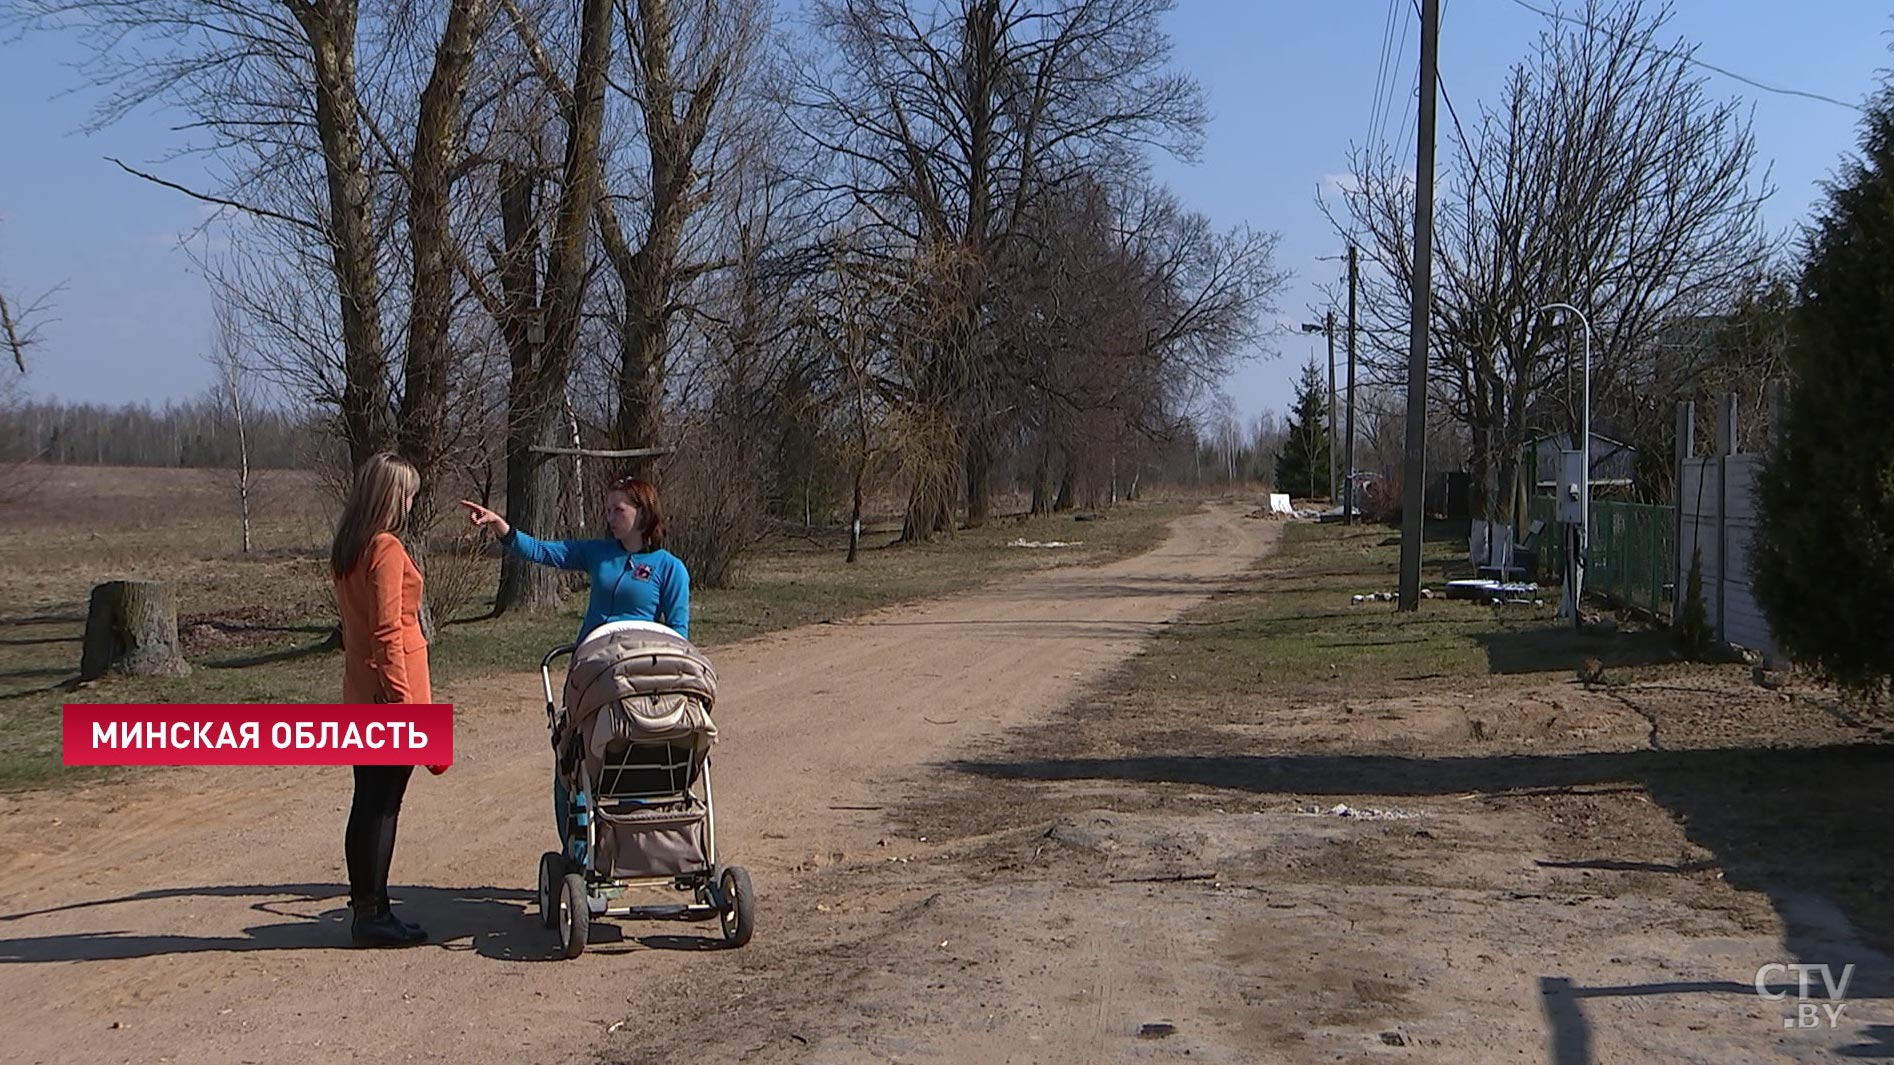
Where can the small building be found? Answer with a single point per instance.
(1613, 463)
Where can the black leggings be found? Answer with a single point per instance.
(370, 842)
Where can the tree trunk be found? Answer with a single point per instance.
(1064, 501)
(1042, 482)
(330, 29)
(532, 504)
(416, 543)
(930, 513)
(1480, 472)
(543, 337)
(1506, 503)
(132, 627)
(243, 460)
(243, 504)
(855, 514)
(649, 275)
(641, 374)
(979, 479)
(421, 435)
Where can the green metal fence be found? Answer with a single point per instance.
(1551, 542)
(1633, 551)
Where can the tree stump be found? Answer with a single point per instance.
(131, 627)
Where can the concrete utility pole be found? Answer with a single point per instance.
(1413, 515)
(1348, 444)
(1327, 327)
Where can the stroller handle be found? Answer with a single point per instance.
(545, 677)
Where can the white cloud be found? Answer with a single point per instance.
(1332, 184)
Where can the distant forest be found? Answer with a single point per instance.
(194, 434)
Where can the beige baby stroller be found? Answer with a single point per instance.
(632, 749)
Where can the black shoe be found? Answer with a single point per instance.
(382, 906)
(384, 929)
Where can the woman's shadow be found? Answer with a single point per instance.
(498, 923)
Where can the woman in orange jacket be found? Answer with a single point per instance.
(378, 593)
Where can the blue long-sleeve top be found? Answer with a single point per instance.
(647, 586)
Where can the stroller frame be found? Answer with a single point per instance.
(573, 888)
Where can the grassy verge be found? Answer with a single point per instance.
(1294, 628)
(793, 580)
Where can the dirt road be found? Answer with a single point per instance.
(197, 916)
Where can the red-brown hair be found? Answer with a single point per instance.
(644, 495)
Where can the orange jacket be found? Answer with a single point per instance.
(383, 651)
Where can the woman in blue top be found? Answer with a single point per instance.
(633, 577)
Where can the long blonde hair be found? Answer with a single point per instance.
(377, 503)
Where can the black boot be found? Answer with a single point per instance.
(377, 926)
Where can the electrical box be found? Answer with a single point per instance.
(1571, 487)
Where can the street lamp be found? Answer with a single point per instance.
(1584, 478)
(1327, 325)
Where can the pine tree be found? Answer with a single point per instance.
(1824, 556)
(1302, 467)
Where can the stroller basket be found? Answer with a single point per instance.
(640, 840)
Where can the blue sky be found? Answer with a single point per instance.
(1290, 85)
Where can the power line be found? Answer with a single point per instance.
(1466, 147)
(1407, 23)
(1694, 61)
(1381, 71)
(1409, 128)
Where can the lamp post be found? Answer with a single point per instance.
(1584, 479)
(1327, 326)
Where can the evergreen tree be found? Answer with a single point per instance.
(1302, 466)
(1824, 557)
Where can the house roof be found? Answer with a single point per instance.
(1560, 438)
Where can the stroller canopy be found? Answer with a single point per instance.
(640, 681)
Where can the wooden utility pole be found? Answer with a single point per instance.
(1413, 498)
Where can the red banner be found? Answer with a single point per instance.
(260, 734)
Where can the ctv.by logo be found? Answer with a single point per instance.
(1808, 1012)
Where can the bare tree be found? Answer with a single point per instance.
(1119, 306)
(20, 331)
(691, 82)
(949, 120)
(1606, 177)
(235, 399)
(860, 314)
(309, 150)
(20, 327)
(422, 433)
(692, 69)
(540, 317)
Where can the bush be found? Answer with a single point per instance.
(1693, 624)
(715, 502)
(1381, 501)
(458, 572)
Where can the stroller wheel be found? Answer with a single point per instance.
(552, 870)
(739, 915)
(577, 916)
